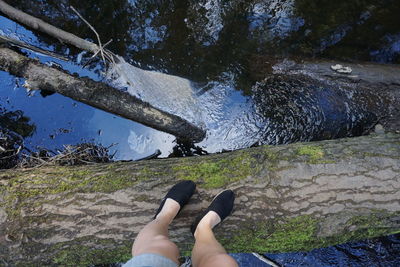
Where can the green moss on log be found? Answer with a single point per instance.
(215, 174)
(315, 153)
(219, 172)
(25, 187)
(74, 254)
(270, 236)
(28, 185)
(301, 234)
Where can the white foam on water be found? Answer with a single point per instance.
(229, 116)
(169, 93)
(226, 115)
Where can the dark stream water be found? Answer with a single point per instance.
(224, 48)
(378, 252)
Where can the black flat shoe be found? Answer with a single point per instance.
(222, 205)
(181, 193)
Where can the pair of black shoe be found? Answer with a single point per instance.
(183, 191)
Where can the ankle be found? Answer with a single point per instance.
(202, 230)
(207, 223)
(169, 210)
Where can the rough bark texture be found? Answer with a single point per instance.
(293, 197)
(96, 94)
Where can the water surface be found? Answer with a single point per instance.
(223, 48)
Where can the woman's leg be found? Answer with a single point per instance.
(207, 251)
(153, 238)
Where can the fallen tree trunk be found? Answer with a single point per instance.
(107, 97)
(96, 94)
(293, 197)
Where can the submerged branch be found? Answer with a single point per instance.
(96, 94)
(40, 25)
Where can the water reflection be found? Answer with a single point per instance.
(16, 122)
(204, 41)
(60, 120)
(201, 38)
(14, 128)
(133, 140)
(213, 43)
(382, 251)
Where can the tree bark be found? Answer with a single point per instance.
(293, 197)
(96, 94)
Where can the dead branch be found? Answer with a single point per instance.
(101, 48)
(96, 94)
(40, 25)
(20, 44)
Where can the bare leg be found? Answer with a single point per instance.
(207, 251)
(153, 238)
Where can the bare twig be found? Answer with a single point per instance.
(94, 30)
(104, 46)
(85, 153)
(109, 56)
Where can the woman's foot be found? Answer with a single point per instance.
(220, 208)
(176, 198)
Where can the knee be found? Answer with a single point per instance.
(158, 245)
(168, 246)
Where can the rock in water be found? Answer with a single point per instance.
(299, 108)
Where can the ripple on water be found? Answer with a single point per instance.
(269, 19)
(205, 20)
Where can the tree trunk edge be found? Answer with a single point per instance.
(301, 233)
(23, 193)
(295, 235)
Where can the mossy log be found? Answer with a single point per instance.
(97, 94)
(289, 198)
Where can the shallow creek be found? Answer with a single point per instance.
(220, 50)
